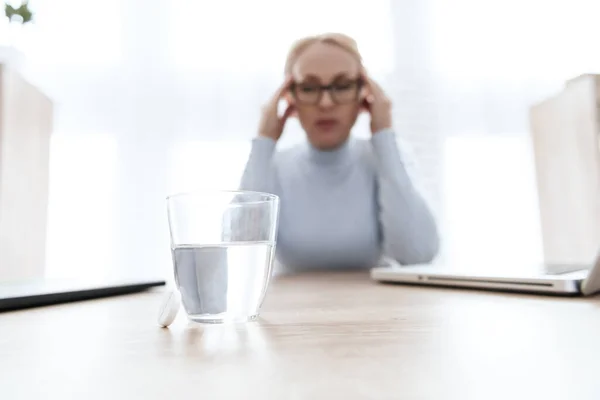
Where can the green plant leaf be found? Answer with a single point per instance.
(23, 11)
(9, 11)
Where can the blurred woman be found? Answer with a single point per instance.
(345, 202)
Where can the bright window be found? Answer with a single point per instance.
(253, 36)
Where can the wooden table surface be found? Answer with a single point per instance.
(321, 336)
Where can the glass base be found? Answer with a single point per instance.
(220, 319)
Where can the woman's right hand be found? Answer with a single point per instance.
(271, 124)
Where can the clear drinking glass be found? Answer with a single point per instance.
(223, 247)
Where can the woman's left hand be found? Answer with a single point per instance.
(378, 104)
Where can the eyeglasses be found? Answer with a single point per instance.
(342, 91)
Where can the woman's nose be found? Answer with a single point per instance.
(326, 99)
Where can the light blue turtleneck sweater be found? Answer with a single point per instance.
(343, 208)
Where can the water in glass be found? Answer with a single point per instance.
(225, 282)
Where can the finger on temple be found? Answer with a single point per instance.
(365, 78)
(285, 86)
(281, 91)
(365, 105)
(369, 84)
(287, 113)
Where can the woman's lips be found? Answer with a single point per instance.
(327, 123)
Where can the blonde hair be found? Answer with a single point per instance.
(337, 39)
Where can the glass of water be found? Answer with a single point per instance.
(223, 247)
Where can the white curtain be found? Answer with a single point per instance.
(160, 96)
(491, 61)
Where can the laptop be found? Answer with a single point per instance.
(46, 292)
(567, 280)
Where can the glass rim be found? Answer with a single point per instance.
(269, 196)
